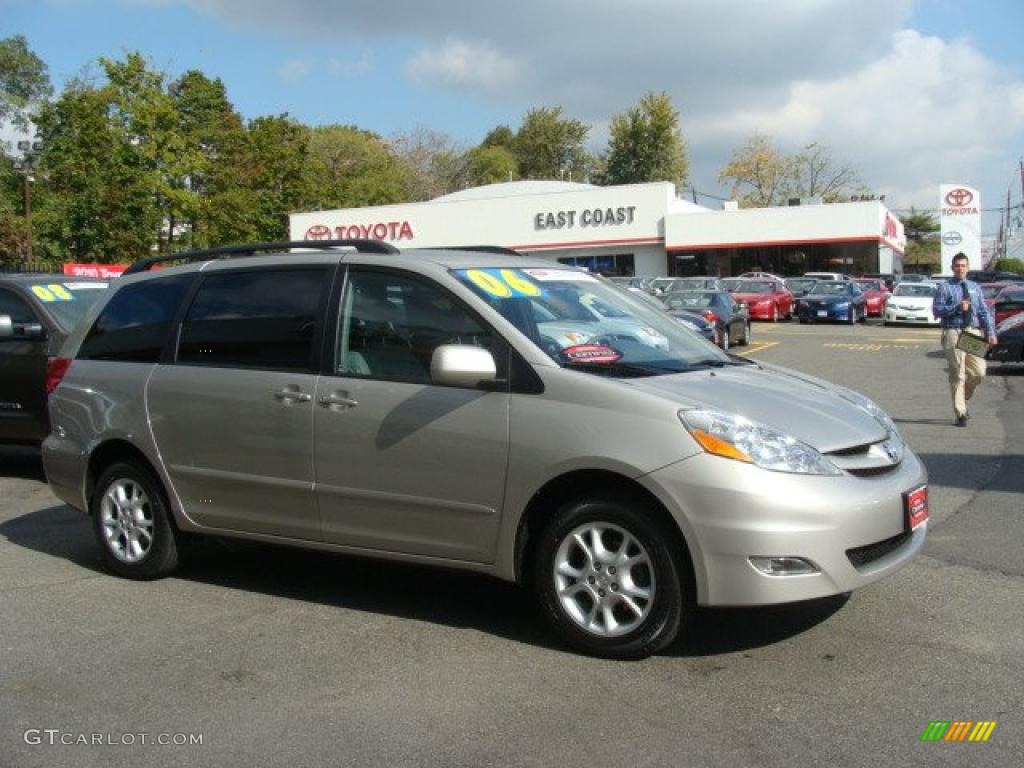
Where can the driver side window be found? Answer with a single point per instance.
(390, 325)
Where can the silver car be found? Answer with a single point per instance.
(409, 406)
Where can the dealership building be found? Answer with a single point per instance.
(645, 230)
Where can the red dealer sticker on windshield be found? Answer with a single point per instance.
(590, 353)
(915, 503)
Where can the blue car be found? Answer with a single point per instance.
(838, 300)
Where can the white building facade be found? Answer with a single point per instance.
(638, 229)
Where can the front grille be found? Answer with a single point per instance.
(862, 556)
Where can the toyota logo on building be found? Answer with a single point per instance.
(959, 197)
(952, 238)
(318, 232)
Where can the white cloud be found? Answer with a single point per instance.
(350, 67)
(294, 70)
(459, 64)
(909, 111)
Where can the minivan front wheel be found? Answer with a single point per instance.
(607, 580)
(131, 522)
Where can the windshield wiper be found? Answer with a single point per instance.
(621, 368)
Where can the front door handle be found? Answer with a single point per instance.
(338, 400)
(289, 396)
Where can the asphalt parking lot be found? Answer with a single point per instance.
(272, 656)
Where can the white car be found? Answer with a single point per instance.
(911, 303)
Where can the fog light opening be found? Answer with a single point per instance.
(783, 566)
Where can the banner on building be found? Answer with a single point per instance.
(105, 271)
(960, 224)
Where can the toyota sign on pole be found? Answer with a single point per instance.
(960, 224)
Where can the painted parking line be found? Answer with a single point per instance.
(757, 347)
(868, 347)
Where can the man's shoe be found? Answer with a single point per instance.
(961, 421)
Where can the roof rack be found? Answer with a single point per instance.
(499, 249)
(363, 246)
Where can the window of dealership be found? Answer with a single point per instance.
(637, 229)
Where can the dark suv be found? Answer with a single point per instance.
(37, 312)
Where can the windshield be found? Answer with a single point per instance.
(67, 302)
(754, 286)
(689, 300)
(870, 285)
(582, 322)
(834, 288)
(914, 289)
(800, 283)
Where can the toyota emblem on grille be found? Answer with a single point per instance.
(959, 197)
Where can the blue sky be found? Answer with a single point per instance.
(912, 94)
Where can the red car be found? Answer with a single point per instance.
(991, 290)
(765, 299)
(1009, 302)
(875, 295)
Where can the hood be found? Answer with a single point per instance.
(808, 409)
(911, 302)
(830, 299)
(752, 298)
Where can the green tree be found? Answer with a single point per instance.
(492, 165)
(352, 167)
(923, 249)
(209, 170)
(646, 144)
(1009, 265)
(502, 136)
(102, 204)
(758, 173)
(549, 146)
(761, 175)
(24, 80)
(275, 178)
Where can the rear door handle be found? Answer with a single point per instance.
(338, 400)
(292, 396)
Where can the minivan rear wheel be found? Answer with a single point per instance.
(132, 524)
(607, 581)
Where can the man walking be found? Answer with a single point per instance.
(960, 307)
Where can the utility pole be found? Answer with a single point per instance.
(28, 213)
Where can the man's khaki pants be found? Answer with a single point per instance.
(965, 371)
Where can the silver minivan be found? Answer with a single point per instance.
(423, 406)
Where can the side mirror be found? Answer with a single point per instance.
(9, 331)
(462, 365)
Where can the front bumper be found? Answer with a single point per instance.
(910, 316)
(730, 511)
(828, 312)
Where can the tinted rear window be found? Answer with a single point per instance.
(134, 324)
(66, 301)
(263, 319)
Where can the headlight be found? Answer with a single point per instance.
(734, 437)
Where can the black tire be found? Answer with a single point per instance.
(638, 627)
(131, 521)
(775, 313)
(852, 319)
(803, 321)
(726, 341)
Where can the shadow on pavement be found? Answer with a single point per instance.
(23, 462)
(450, 598)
